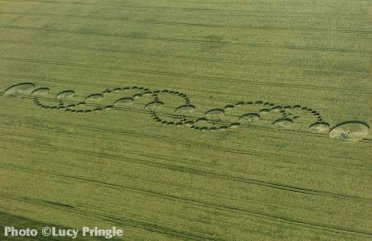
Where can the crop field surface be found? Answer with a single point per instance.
(187, 120)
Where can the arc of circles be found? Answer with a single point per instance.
(349, 130)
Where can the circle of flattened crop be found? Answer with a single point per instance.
(137, 96)
(189, 123)
(202, 120)
(65, 94)
(125, 101)
(320, 127)
(20, 89)
(215, 112)
(223, 128)
(351, 131)
(277, 108)
(234, 125)
(40, 91)
(94, 98)
(264, 111)
(108, 107)
(283, 122)
(116, 90)
(185, 109)
(229, 107)
(249, 117)
(240, 104)
(154, 105)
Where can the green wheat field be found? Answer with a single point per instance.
(187, 120)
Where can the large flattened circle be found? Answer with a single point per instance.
(350, 131)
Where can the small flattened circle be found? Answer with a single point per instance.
(320, 127)
(249, 117)
(40, 91)
(283, 122)
(125, 101)
(93, 98)
(215, 112)
(185, 109)
(154, 105)
(65, 94)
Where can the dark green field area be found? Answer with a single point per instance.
(212, 138)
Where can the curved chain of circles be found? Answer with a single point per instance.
(181, 115)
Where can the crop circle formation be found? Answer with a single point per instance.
(212, 119)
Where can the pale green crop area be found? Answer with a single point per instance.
(120, 167)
